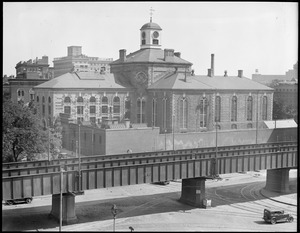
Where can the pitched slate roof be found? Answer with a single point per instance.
(82, 80)
(150, 55)
(177, 81)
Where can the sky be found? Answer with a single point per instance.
(241, 35)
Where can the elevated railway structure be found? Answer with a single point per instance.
(193, 166)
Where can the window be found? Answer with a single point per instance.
(93, 119)
(249, 108)
(143, 42)
(79, 120)
(164, 113)
(141, 110)
(49, 109)
(154, 112)
(249, 125)
(67, 109)
(155, 41)
(104, 105)
(218, 109)
(116, 105)
(67, 99)
(43, 109)
(234, 108)
(233, 126)
(92, 109)
(203, 112)
(92, 99)
(127, 107)
(22, 93)
(43, 99)
(265, 108)
(37, 99)
(79, 109)
(49, 99)
(99, 139)
(79, 99)
(19, 93)
(183, 113)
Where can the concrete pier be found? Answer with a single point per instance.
(193, 192)
(278, 180)
(68, 208)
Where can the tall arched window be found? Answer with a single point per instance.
(104, 105)
(127, 107)
(264, 108)
(234, 108)
(43, 99)
(37, 99)
(49, 99)
(183, 113)
(249, 108)
(164, 113)
(92, 105)
(67, 99)
(203, 112)
(141, 110)
(79, 99)
(154, 112)
(116, 105)
(218, 109)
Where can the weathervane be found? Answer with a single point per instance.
(151, 13)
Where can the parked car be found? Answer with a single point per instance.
(15, 201)
(277, 216)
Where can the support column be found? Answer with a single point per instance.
(68, 208)
(193, 192)
(278, 180)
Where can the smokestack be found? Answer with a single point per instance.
(122, 53)
(212, 65)
(168, 54)
(240, 73)
(209, 72)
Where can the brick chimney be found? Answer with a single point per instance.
(212, 66)
(240, 73)
(209, 72)
(122, 53)
(177, 54)
(168, 54)
(225, 73)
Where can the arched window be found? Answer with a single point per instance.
(233, 126)
(104, 105)
(265, 108)
(79, 99)
(92, 99)
(164, 113)
(234, 108)
(203, 112)
(141, 110)
(218, 109)
(127, 107)
(183, 113)
(37, 99)
(154, 112)
(49, 109)
(249, 108)
(19, 93)
(22, 93)
(67, 99)
(116, 105)
(49, 99)
(43, 99)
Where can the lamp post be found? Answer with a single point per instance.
(114, 210)
(79, 158)
(61, 191)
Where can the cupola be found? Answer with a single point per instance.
(150, 35)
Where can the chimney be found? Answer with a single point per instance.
(177, 54)
(209, 72)
(168, 54)
(212, 64)
(122, 53)
(225, 73)
(240, 73)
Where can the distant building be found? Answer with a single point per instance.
(269, 80)
(76, 61)
(287, 93)
(28, 75)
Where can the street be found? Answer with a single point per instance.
(238, 201)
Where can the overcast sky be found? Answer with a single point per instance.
(244, 36)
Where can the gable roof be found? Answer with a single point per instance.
(150, 55)
(82, 80)
(176, 81)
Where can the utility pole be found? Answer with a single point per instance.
(61, 198)
(256, 119)
(79, 157)
(173, 121)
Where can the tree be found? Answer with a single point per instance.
(23, 135)
(56, 138)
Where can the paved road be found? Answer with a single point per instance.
(238, 201)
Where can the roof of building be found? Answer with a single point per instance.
(151, 55)
(177, 81)
(281, 124)
(82, 80)
(151, 25)
(267, 78)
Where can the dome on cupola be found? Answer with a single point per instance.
(151, 25)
